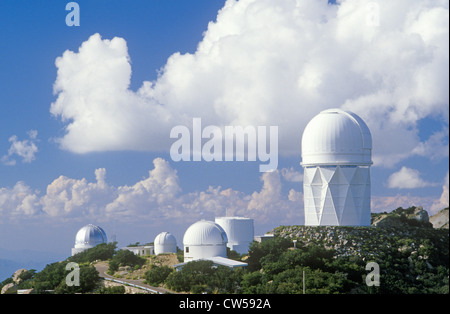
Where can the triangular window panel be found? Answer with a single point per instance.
(328, 216)
(317, 178)
(350, 215)
(348, 173)
(338, 177)
(361, 176)
(308, 174)
(327, 173)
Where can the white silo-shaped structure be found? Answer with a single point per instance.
(165, 242)
(204, 239)
(336, 157)
(240, 232)
(88, 237)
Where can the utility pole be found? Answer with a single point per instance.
(303, 281)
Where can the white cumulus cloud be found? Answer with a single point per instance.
(157, 197)
(19, 201)
(407, 178)
(264, 62)
(25, 149)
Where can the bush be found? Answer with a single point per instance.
(270, 249)
(102, 252)
(53, 277)
(157, 275)
(201, 276)
(125, 258)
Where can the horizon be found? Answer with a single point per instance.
(87, 111)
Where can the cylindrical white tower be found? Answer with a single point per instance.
(240, 232)
(204, 239)
(165, 242)
(88, 237)
(336, 157)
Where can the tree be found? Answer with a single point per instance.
(125, 258)
(157, 274)
(103, 251)
(89, 279)
(270, 249)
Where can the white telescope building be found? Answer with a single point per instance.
(336, 157)
(204, 239)
(88, 237)
(240, 232)
(165, 242)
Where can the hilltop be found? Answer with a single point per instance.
(402, 229)
(412, 252)
(411, 249)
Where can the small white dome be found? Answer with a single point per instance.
(165, 242)
(205, 233)
(90, 236)
(336, 137)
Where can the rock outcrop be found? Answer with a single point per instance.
(12, 287)
(413, 216)
(440, 219)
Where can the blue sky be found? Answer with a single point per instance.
(244, 63)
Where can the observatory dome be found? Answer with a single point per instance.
(205, 233)
(204, 239)
(336, 137)
(165, 242)
(90, 236)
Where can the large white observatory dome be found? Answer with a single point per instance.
(336, 136)
(165, 242)
(88, 237)
(336, 157)
(204, 239)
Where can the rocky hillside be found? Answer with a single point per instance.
(440, 219)
(408, 232)
(412, 216)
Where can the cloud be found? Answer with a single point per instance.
(291, 175)
(388, 203)
(156, 197)
(444, 199)
(66, 197)
(431, 204)
(270, 63)
(435, 147)
(25, 149)
(19, 202)
(407, 178)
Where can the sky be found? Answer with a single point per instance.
(87, 109)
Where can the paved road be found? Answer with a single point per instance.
(102, 267)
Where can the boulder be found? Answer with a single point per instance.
(9, 288)
(420, 214)
(440, 219)
(16, 275)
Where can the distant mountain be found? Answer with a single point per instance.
(7, 268)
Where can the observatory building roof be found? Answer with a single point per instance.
(90, 236)
(205, 233)
(165, 238)
(336, 137)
